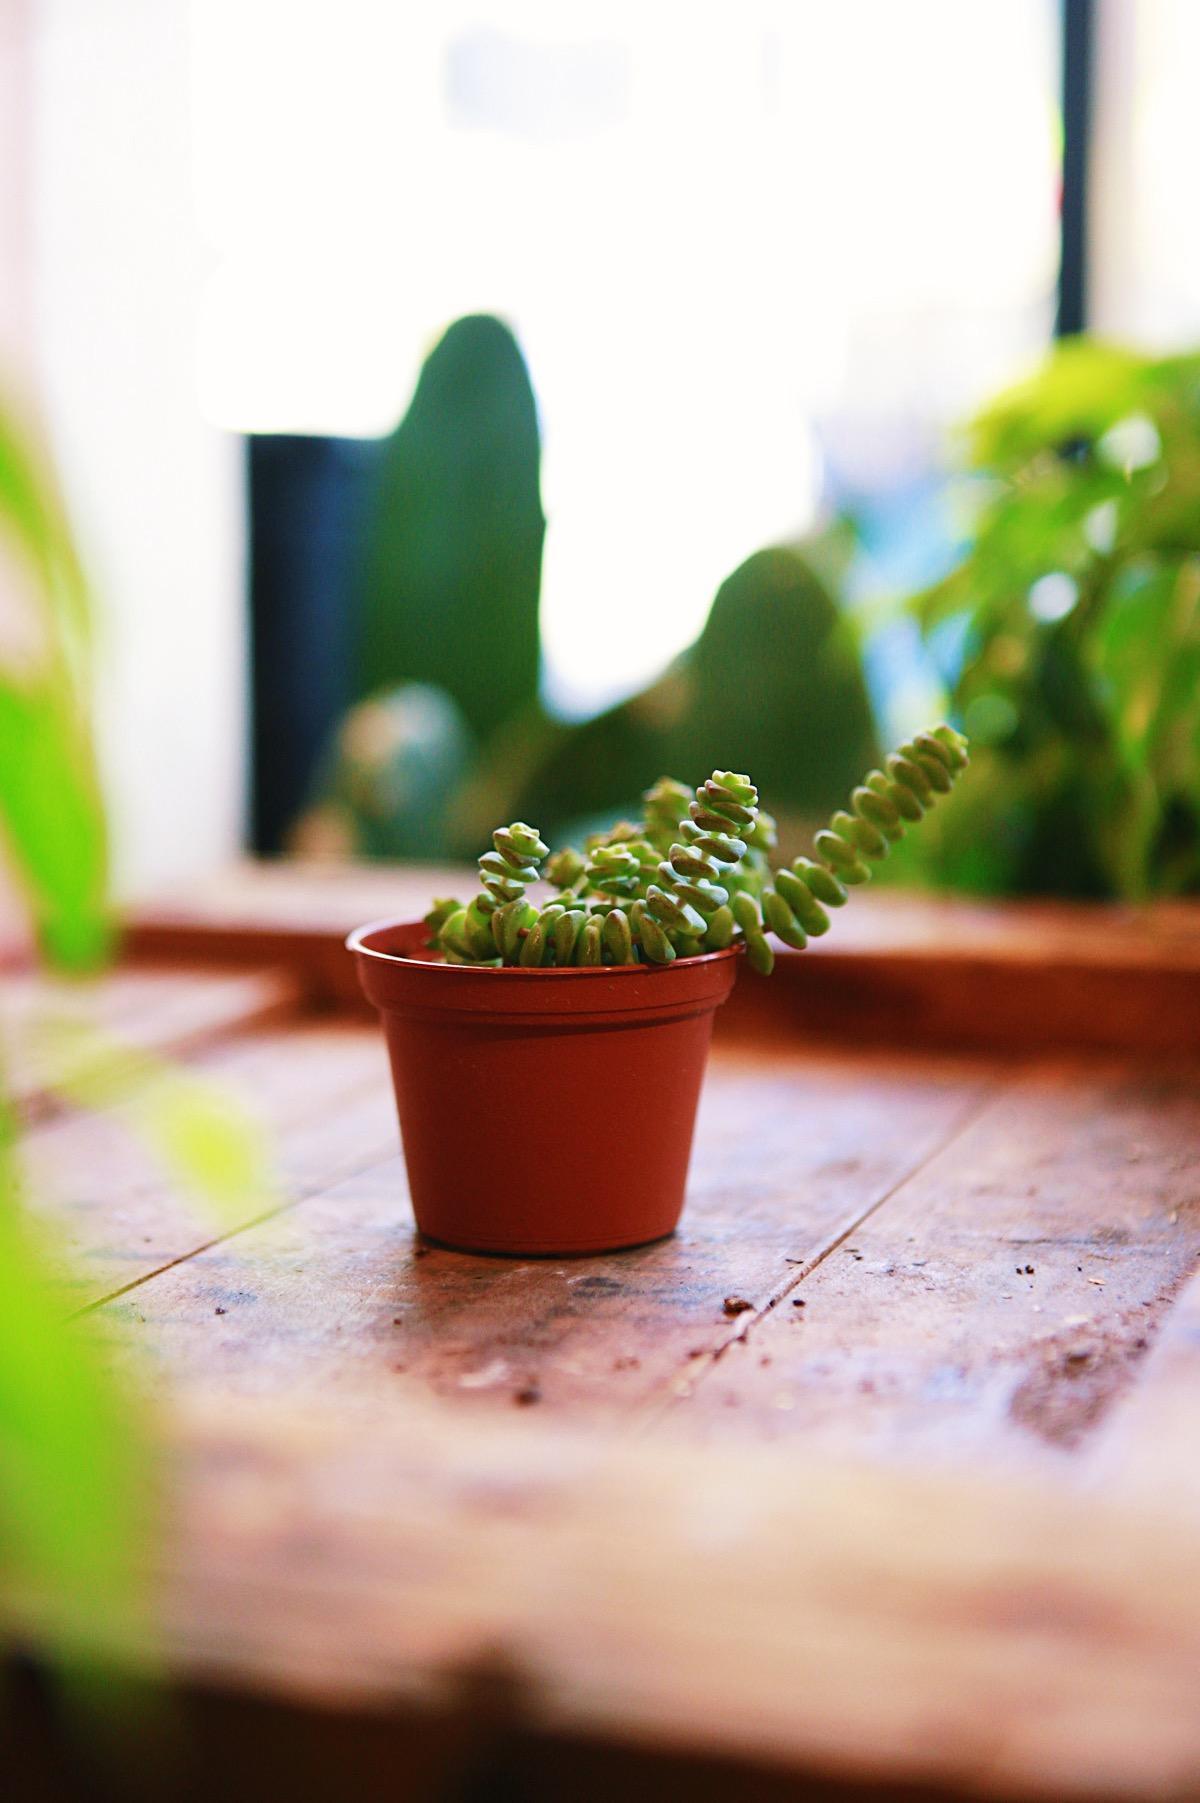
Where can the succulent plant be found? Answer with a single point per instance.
(692, 876)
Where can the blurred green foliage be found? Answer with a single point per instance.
(449, 598)
(73, 1497)
(1069, 635)
(774, 680)
(50, 808)
(452, 569)
(387, 780)
(75, 1500)
(75, 1473)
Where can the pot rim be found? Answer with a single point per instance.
(356, 941)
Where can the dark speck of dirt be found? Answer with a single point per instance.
(765, 1359)
(527, 1396)
(736, 1305)
(219, 1311)
(627, 1362)
(1029, 1270)
(597, 1284)
(397, 1320)
(797, 1301)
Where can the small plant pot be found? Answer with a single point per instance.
(542, 1111)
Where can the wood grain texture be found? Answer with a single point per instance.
(167, 1011)
(337, 1294)
(898, 968)
(320, 1092)
(973, 1000)
(943, 1542)
(819, 1619)
(300, 913)
(1151, 1447)
(1007, 1292)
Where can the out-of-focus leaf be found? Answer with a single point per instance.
(34, 523)
(209, 1144)
(74, 1498)
(1079, 392)
(53, 823)
(1074, 621)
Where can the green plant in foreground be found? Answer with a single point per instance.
(77, 1498)
(692, 876)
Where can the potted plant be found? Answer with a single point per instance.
(547, 1055)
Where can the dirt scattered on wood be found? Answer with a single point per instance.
(527, 1395)
(736, 1305)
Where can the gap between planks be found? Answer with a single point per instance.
(743, 1324)
(332, 1292)
(336, 1291)
(939, 1333)
(164, 1014)
(321, 1095)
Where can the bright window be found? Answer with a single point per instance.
(738, 246)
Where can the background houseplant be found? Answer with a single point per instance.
(1068, 635)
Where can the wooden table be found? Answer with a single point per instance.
(881, 1478)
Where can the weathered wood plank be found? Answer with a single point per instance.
(168, 1012)
(336, 1294)
(320, 1093)
(273, 897)
(985, 1001)
(351, 1540)
(1006, 1293)
(851, 1622)
(899, 969)
(298, 912)
(1152, 1443)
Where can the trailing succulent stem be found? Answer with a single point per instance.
(692, 876)
(882, 808)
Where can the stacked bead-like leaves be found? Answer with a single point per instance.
(691, 877)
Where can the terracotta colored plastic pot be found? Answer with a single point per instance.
(542, 1111)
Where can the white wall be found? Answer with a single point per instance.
(14, 190)
(1145, 251)
(712, 226)
(155, 492)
